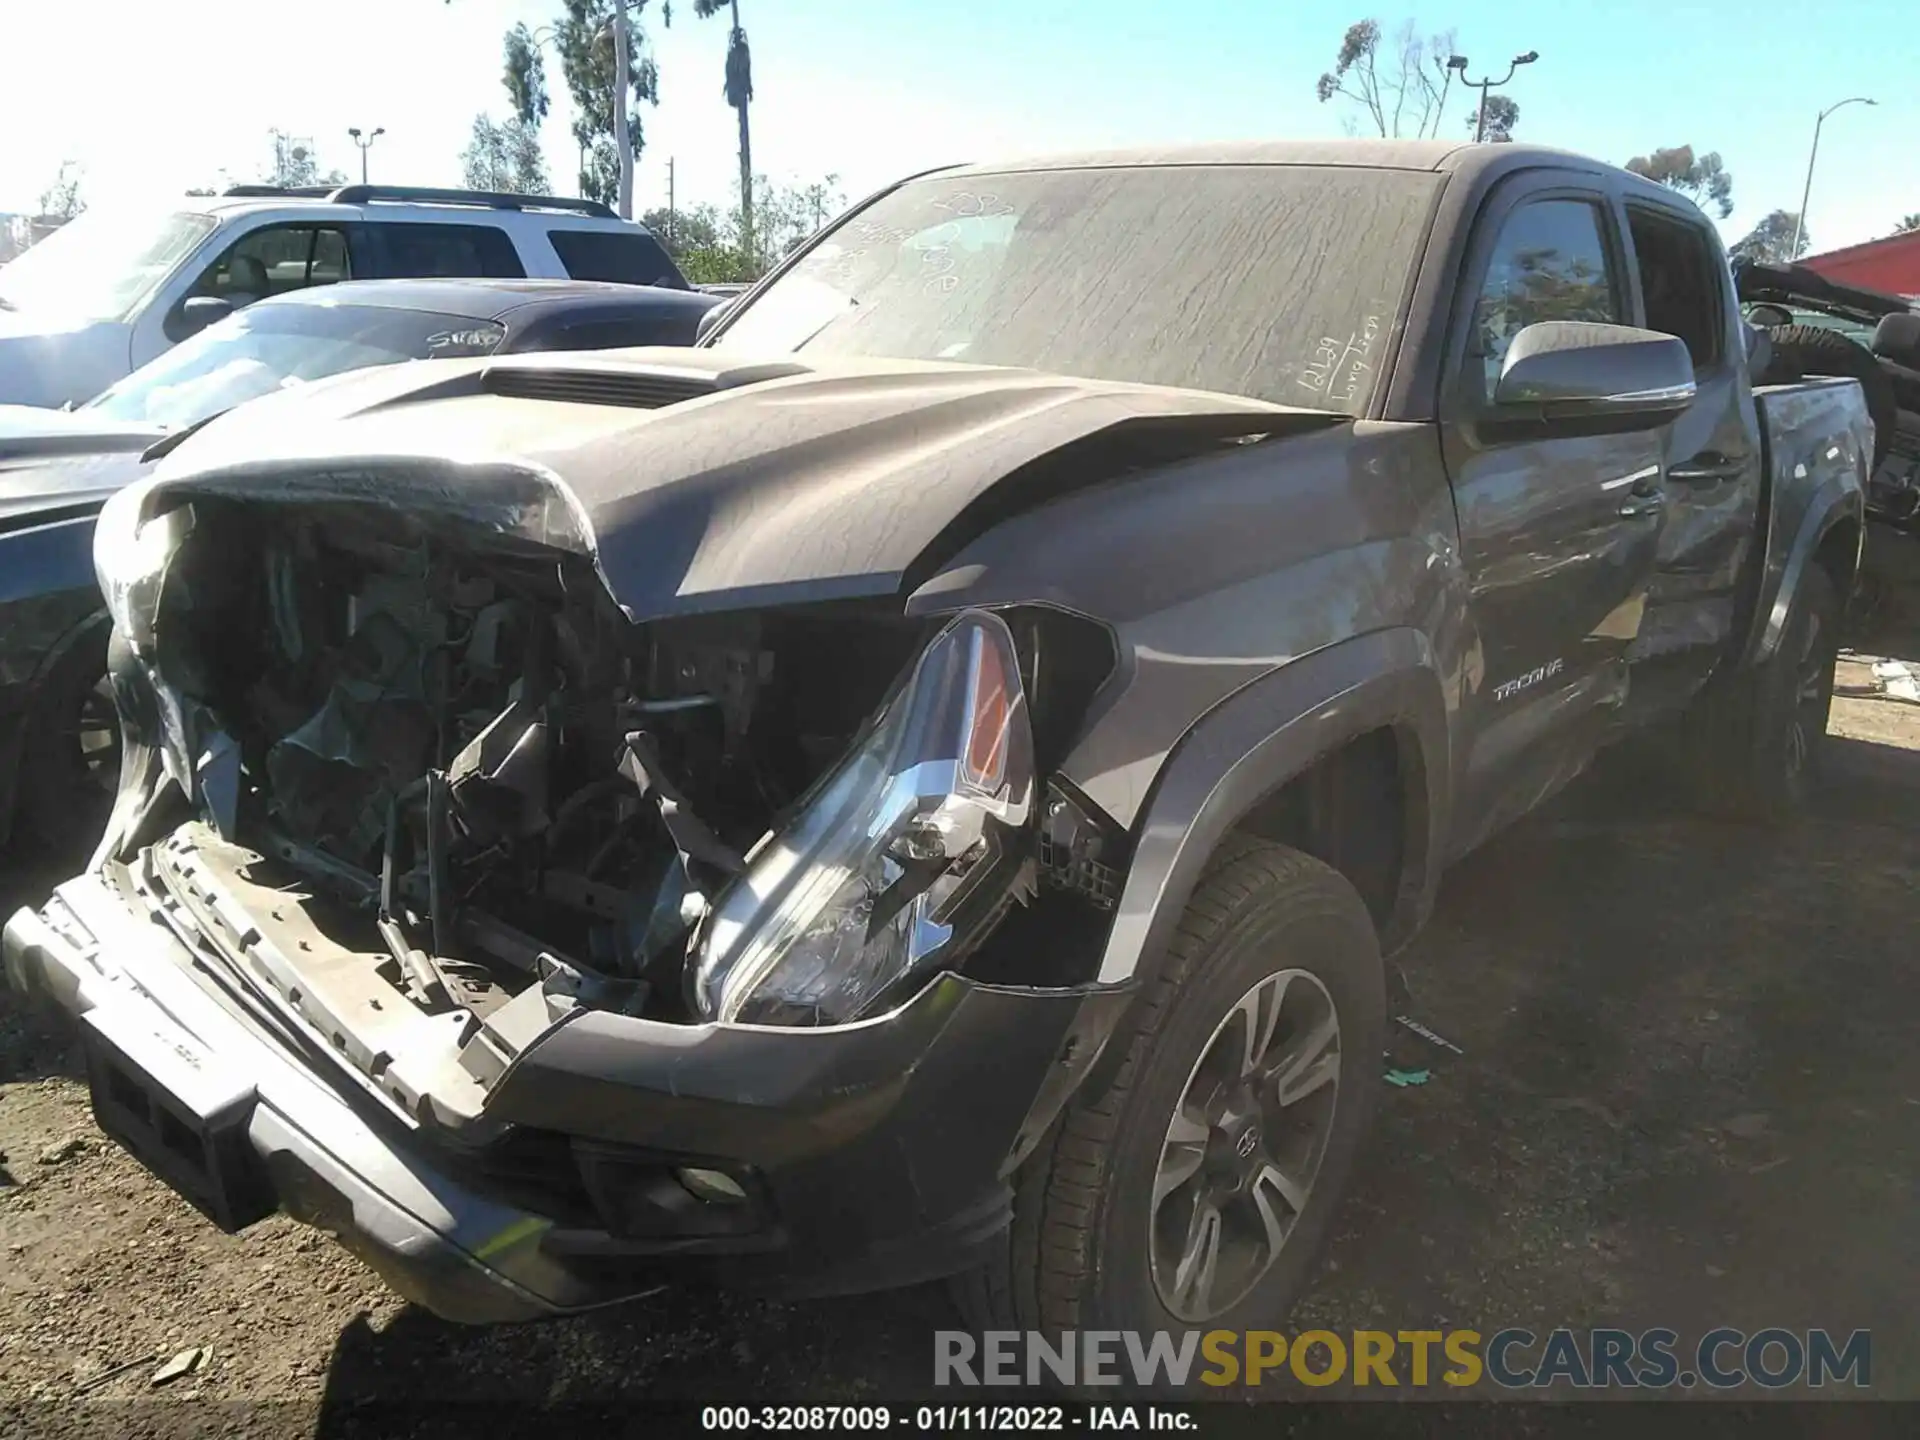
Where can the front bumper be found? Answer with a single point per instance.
(880, 1152)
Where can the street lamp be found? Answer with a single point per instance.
(1800, 220)
(1459, 62)
(622, 79)
(365, 143)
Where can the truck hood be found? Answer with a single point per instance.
(699, 480)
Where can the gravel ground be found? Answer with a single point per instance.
(1687, 1099)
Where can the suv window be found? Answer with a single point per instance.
(624, 257)
(1550, 263)
(1679, 281)
(275, 259)
(419, 251)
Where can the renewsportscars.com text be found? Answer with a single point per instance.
(1513, 1359)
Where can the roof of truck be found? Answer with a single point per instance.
(1426, 155)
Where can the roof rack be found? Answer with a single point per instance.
(428, 195)
(269, 191)
(493, 199)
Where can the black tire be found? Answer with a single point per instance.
(1077, 1256)
(1754, 741)
(67, 784)
(1802, 350)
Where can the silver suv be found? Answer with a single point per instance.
(110, 290)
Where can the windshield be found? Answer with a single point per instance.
(270, 346)
(100, 265)
(1282, 283)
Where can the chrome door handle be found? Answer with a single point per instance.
(1648, 504)
(1708, 468)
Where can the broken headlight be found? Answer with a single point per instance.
(130, 559)
(899, 852)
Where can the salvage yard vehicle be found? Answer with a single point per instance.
(1817, 326)
(118, 286)
(922, 784)
(59, 739)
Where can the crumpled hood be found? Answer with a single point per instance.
(698, 479)
(52, 489)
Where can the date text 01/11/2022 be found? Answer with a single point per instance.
(944, 1418)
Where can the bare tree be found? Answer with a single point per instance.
(1398, 85)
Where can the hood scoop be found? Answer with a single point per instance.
(636, 390)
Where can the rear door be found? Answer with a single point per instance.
(626, 257)
(1713, 470)
(418, 250)
(1557, 531)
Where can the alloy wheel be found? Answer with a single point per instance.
(1809, 700)
(1244, 1145)
(96, 735)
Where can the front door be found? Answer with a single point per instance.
(269, 259)
(1713, 464)
(1558, 533)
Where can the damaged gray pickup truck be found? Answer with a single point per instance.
(921, 784)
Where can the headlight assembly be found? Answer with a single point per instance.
(130, 559)
(898, 854)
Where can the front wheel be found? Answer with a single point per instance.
(72, 763)
(1196, 1188)
(1755, 743)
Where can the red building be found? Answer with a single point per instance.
(1891, 266)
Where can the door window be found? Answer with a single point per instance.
(451, 251)
(1550, 263)
(275, 259)
(1680, 283)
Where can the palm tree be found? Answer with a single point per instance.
(1908, 224)
(739, 96)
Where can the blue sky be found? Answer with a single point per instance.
(181, 90)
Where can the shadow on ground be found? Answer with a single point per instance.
(1685, 1101)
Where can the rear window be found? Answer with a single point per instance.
(416, 251)
(622, 256)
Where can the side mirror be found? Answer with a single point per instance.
(197, 314)
(710, 321)
(1575, 375)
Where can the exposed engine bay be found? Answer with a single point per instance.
(447, 792)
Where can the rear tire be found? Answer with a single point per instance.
(1276, 943)
(1754, 742)
(1802, 350)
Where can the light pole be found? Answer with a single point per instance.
(1459, 62)
(365, 143)
(622, 79)
(622, 134)
(1800, 220)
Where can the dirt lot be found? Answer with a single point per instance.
(1688, 1098)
